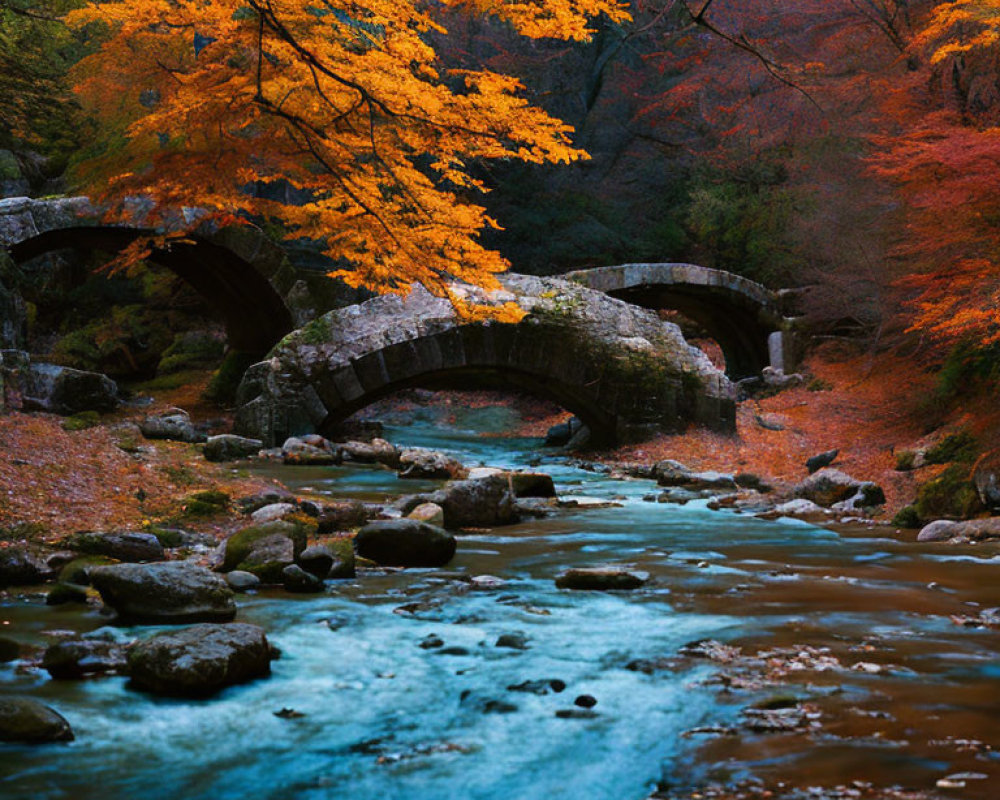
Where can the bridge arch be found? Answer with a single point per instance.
(246, 278)
(740, 314)
(618, 367)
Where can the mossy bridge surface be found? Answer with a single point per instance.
(618, 367)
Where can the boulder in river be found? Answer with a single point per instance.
(241, 581)
(405, 543)
(316, 452)
(429, 464)
(343, 515)
(477, 504)
(430, 513)
(200, 660)
(265, 550)
(560, 435)
(23, 719)
(168, 592)
(601, 579)
(827, 486)
(317, 560)
(77, 658)
(972, 530)
(295, 579)
(132, 546)
(377, 451)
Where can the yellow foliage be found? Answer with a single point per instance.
(344, 101)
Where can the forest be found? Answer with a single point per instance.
(567, 398)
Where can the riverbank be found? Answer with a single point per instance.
(54, 481)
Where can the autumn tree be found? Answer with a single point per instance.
(943, 153)
(346, 102)
(36, 50)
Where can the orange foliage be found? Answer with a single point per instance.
(344, 102)
(944, 156)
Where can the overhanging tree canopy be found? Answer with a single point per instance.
(344, 101)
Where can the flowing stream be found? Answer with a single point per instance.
(385, 719)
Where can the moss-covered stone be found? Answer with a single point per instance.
(63, 593)
(168, 537)
(240, 544)
(77, 571)
(81, 421)
(959, 447)
(206, 504)
(951, 495)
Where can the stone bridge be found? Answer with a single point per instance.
(260, 296)
(246, 278)
(615, 365)
(744, 317)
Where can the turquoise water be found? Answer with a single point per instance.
(387, 719)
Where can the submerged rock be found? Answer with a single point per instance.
(23, 719)
(405, 543)
(170, 592)
(601, 579)
(201, 660)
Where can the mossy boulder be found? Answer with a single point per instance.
(77, 571)
(169, 592)
(265, 550)
(208, 503)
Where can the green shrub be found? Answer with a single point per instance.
(81, 421)
(206, 504)
(907, 517)
(951, 495)
(954, 447)
(222, 388)
(905, 460)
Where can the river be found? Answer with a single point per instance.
(386, 719)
